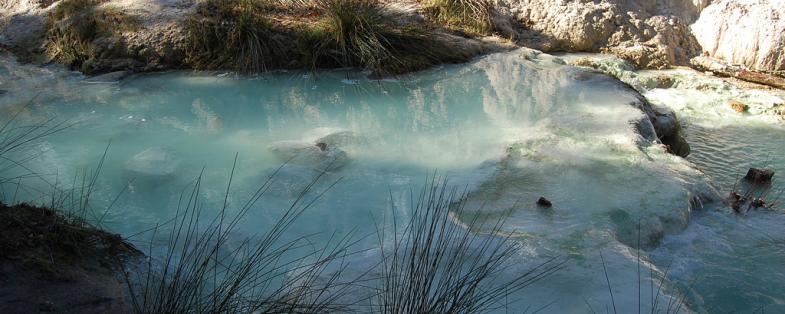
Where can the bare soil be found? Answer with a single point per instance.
(49, 263)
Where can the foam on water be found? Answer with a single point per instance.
(730, 263)
(508, 128)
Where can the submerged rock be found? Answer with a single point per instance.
(342, 139)
(759, 176)
(544, 202)
(319, 156)
(111, 77)
(738, 106)
(155, 162)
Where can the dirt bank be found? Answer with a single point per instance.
(49, 263)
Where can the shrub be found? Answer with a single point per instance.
(202, 272)
(438, 265)
(362, 33)
(471, 16)
(234, 34)
(74, 25)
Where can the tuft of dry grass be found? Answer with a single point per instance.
(436, 265)
(469, 16)
(236, 35)
(363, 33)
(74, 25)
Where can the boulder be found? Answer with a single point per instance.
(750, 33)
(759, 176)
(648, 33)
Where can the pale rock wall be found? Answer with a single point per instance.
(649, 33)
(744, 32)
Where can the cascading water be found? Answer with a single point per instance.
(509, 128)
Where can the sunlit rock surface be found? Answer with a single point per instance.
(748, 32)
(651, 34)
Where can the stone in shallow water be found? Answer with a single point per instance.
(342, 139)
(153, 161)
(111, 77)
(316, 156)
(759, 176)
(544, 202)
(738, 106)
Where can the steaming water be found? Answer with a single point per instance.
(508, 129)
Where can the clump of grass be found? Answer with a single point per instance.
(74, 25)
(202, 272)
(234, 34)
(57, 238)
(470, 16)
(362, 33)
(437, 265)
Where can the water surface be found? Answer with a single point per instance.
(508, 129)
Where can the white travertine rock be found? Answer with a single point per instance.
(745, 32)
(648, 33)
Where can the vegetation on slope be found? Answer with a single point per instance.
(254, 36)
(234, 34)
(75, 25)
(363, 33)
(469, 16)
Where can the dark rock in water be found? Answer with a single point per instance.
(759, 176)
(735, 199)
(2, 91)
(668, 130)
(758, 203)
(543, 202)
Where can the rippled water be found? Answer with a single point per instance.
(737, 259)
(509, 129)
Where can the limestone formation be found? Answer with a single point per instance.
(750, 33)
(649, 33)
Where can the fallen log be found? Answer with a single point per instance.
(720, 69)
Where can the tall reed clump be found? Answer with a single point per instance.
(59, 234)
(203, 271)
(17, 147)
(439, 265)
(363, 33)
(235, 35)
(470, 16)
(74, 25)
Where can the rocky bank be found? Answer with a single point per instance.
(647, 33)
